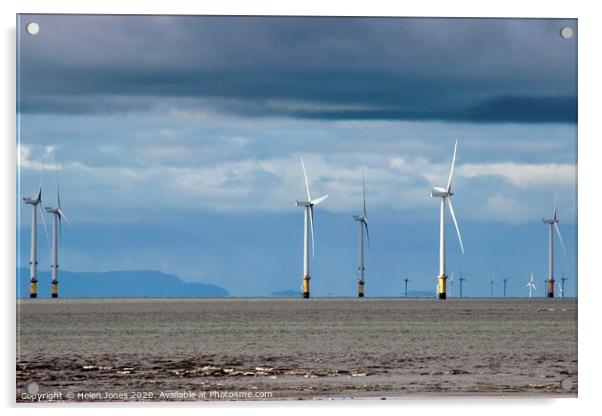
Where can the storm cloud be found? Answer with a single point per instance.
(466, 70)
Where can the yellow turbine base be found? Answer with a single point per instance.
(306, 286)
(442, 287)
(360, 289)
(33, 289)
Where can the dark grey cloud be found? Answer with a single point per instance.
(475, 70)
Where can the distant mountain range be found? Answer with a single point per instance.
(133, 283)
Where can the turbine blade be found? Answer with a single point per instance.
(367, 232)
(306, 180)
(311, 223)
(364, 189)
(41, 182)
(44, 223)
(63, 216)
(453, 215)
(58, 190)
(555, 204)
(560, 238)
(318, 200)
(451, 172)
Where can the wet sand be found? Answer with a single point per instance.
(274, 349)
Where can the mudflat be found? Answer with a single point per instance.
(275, 349)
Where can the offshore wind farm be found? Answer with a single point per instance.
(186, 266)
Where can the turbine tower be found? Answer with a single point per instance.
(58, 217)
(445, 194)
(531, 285)
(461, 282)
(505, 280)
(562, 280)
(363, 220)
(308, 228)
(451, 284)
(406, 280)
(36, 204)
(553, 223)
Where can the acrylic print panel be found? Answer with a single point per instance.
(276, 208)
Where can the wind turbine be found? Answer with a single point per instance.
(562, 280)
(445, 193)
(406, 280)
(36, 204)
(308, 228)
(531, 285)
(363, 220)
(553, 223)
(505, 280)
(492, 283)
(462, 279)
(451, 284)
(58, 217)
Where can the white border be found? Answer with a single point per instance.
(590, 67)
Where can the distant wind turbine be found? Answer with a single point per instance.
(308, 228)
(58, 216)
(505, 280)
(553, 223)
(445, 193)
(406, 280)
(531, 285)
(462, 280)
(36, 205)
(451, 285)
(562, 280)
(363, 220)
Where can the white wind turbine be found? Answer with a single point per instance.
(531, 285)
(553, 223)
(58, 216)
(562, 280)
(308, 228)
(363, 220)
(451, 285)
(36, 204)
(445, 193)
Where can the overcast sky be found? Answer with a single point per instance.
(178, 141)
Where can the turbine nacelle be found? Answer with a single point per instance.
(32, 201)
(440, 192)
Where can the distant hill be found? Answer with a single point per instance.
(286, 294)
(133, 283)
